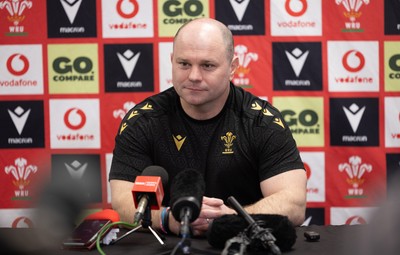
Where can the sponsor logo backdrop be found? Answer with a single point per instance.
(71, 69)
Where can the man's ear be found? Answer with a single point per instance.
(234, 66)
(172, 56)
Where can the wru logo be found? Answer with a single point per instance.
(21, 171)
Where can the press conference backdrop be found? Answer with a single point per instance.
(71, 69)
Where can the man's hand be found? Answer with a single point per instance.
(211, 208)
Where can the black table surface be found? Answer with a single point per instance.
(333, 240)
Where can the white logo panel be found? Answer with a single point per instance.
(74, 123)
(21, 71)
(296, 17)
(165, 50)
(17, 218)
(109, 157)
(127, 19)
(392, 122)
(353, 66)
(351, 215)
(314, 163)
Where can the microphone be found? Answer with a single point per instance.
(187, 190)
(148, 190)
(230, 225)
(256, 236)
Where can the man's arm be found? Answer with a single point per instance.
(284, 194)
(122, 199)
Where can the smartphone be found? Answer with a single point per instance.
(85, 234)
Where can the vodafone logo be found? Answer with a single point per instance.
(312, 188)
(296, 8)
(356, 220)
(127, 8)
(353, 61)
(74, 118)
(17, 64)
(74, 123)
(296, 17)
(353, 66)
(22, 222)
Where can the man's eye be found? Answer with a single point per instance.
(209, 66)
(183, 64)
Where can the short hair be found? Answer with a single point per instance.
(225, 33)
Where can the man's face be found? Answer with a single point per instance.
(201, 70)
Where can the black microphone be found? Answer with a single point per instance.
(223, 228)
(148, 190)
(187, 190)
(256, 235)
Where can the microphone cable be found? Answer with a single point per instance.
(183, 244)
(106, 228)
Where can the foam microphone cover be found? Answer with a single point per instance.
(152, 183)
(187, 190)
(156, 171)
(230, 225)
(106, 214)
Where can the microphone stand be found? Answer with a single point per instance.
(184, 245)
(255, 231)
(236, 245)
(146, 223)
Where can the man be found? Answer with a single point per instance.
(238, 142)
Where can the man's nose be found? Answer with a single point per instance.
(195, 74)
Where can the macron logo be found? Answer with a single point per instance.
(19, 118)
(297, 58)
(71, 8)
(76, 169)
(354, 115)
(239, 7)
(128, 61)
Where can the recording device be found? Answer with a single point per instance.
(148, 190)
(187, 190)
(311, 236)
(85, 234)
(253, 236)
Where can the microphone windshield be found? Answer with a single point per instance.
(187, 190)
(156, 171)
(106, 214)
(228, 226)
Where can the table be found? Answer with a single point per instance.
(334, 240)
